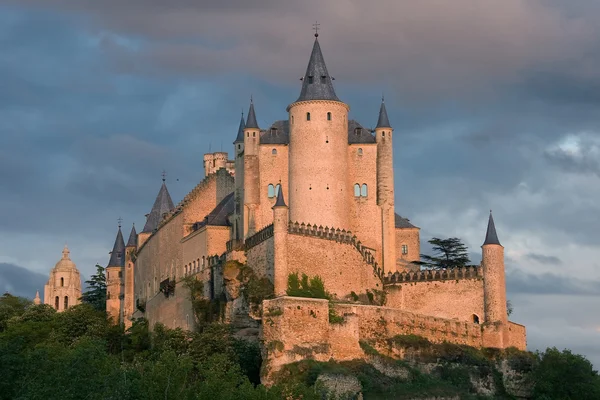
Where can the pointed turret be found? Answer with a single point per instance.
(317, 83)
(240, 134)
(117, 255)
(251, 122)
(132, 241)
(37, 299)
(162, 205)
(491, 237)
(280, 202)
(383, 121)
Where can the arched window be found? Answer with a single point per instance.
(185, 270)
(383, 134)
(404, 249)
(187, 320)
(203, 260)
(62, 281)
(475, 318)
(308, 116)
(198, 260)
(253, 134)
(56, 303)
(66, 302)
(292, 120)
(274, 151)
(239, 146)
(194, 267)
(271, 190)
(363, 190)
(360, 152)
(357, 190)
(328, 116)
(247, 134)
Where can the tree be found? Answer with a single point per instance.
(96, 292)
(11, 306)
(448, 253)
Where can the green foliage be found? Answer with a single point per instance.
(11, 306)
(354, 296)
(205, 310)
(96, 292)
(305, 287)
(509, 307)
(448, 253)
(410, 341)
(564, 375)
(334, 318)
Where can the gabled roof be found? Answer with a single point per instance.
(491, 237)
(358, 134)
(317, 83)
(117, 255)
(402, 223)
(278, 133)
(383, 121)
(132, 241)
(162, 205)
(240, 134)
(219, 215)
(251, 122)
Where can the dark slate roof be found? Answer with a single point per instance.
(280, 201)
(383, 121)
(117, 255)
(278, 133)
(240, 134)
(162, 205)
(491, 237)
(218, 216)
(317, 83)
(132, 241)
(358, 134)
(251, 122)
(402, 223)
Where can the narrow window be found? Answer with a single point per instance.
(475, 318)
(187, 320)
(363, 190)
(310, 79)
(66, 302)
(308, 116)
(292, 120)
(274, 152)
(247, 134)
(323, 79)
(357, 190)
(198, 264)
(108, 296)
(360, 152)
(120, 274)
(185, 272)
(239, 146)
(404, 249)
(253, 134)
(56, 303)
(271, 190)
(194, 266)
(62, 281)
(203, 261)
(328, 116)
(383, 134)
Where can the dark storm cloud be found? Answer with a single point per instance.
(519, 282)
(20, 281)
(543, 259)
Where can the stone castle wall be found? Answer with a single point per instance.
(174, 311)
(260, 252)
(273, 170)
(408, 237)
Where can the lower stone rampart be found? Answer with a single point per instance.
(296, 329)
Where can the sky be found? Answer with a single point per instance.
(494, 106)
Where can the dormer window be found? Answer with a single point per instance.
(310, 79)
(358, 131)
(273, 131)
(323, 79)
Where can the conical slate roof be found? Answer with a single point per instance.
(117, 255)
(162, 205)
(240, 134)
(251, 122)
(383, 121)
(317, 83)
(280, 202)
(132, 242)
(491, 237)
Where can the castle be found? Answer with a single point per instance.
(312, 194)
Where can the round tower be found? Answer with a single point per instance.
(318, 150)
(63, 289)
(238, 151)
(494, 281)
(251, 172)
(280, 232)
(385, 188)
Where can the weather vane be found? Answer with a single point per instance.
(119, 220)
(164, 175)
(316, 28)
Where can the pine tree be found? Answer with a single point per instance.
(448, 253)
(95, 295)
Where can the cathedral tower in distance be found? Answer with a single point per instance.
(63, 289)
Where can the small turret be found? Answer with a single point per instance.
(251, 172)
(132, 241)
(251, 132)
(494, 279)
(280, 232)
(114, 277)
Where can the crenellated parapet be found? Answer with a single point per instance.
(466, 272)
(259, 237)
(340, 236)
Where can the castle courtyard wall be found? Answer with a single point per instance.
(274, 171)
(452, 298)
(408, 237)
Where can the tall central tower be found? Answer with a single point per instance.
(318, 191)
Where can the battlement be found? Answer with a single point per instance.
(340, 236)
(259, 237)
(467, 272)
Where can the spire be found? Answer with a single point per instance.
(65, 253)
(491, 237)
(132, 241)
(162, 205)
(117, 255)
(37, 299)
(280, 201)
(251, 122)
(317, 83)
(383, 121)
(240, 134)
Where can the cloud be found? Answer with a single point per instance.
(553, 284)
(576, 153)
(543, 259)
(20, 281)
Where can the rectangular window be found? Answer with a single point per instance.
(404, 249)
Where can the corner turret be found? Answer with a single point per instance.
(114, 278)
